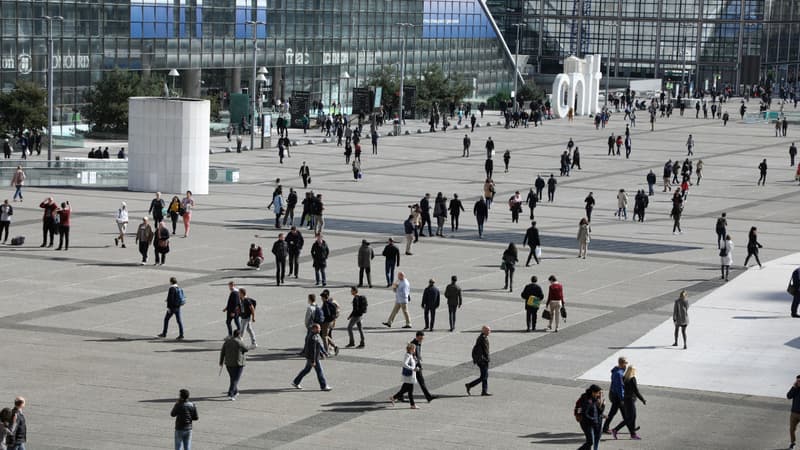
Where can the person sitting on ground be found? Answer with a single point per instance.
(256, 257)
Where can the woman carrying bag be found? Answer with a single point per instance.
(409, 377)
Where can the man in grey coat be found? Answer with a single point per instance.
(365, 255)
(313, 350)
(430, 301)
(232, 355)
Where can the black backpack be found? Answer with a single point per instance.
(361, 305)
(330, 310)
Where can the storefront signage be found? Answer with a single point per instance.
(23, 63)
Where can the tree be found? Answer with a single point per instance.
(387, 78)
(23, 108)
(432, 86)
(107, 101)
(530, 91)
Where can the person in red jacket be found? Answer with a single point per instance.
(64, 214)
(555, 300)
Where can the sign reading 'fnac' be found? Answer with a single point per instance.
(580, 84)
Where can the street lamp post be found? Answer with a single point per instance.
(608, 75)
(405, 27)
(255, 24)
(516, 67)
(262, 77)
(174, 74)
(345, 76)
(50, 52)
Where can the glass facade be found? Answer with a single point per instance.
(734, 42)
(323, 47)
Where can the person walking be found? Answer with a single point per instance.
(792, 154)
(6, 211)
(330, 310)
(294, 245)
(122, 224)
(184, 412)
(232, 309)
(506, 159)
(532, 294)
(584, 237)
(64, 213)
(539, 184)
(288, 210)
(509, 261)
(417, 342)
(680, 317)
(281, 250)
(651, 182)
(161, 243)
(408, 377)
(455, 208)
(232, 355)
(248, 316)
(622, 205)
(481, 213)
(698, 171)
(531, 200)
(762, 170)
(355, 317)
(689, 146)
(617, 392)
(589, 200)
(467, 143)
(480, 357)
(364, 260)
(794, 415)
(440, 213)
(488, 192)
(19, 426)
(590, 416)
(726, 257)
(314, 351)
(319, 255)
(752, 246)
(18, 181)
(144, 235)
(157, 208)
(430, 302)
(555, 300)
(175, 301)
(793, 290)
(454, 300)
(515, 205)
(489, 148)
(488, 167)
(49, 215)
(632, 393)
(533, 242)
(551, 188)
(187, 205)
(174, 211)
(408, 228)
(677, 210)
(721, 228)
(305, 175)
(402, 292)
(392, 260)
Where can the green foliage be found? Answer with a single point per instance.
(530, 91)
(23, 108)
(435, 87)
(107, 101)
(214, 100)
(387, 78)
(494, 101)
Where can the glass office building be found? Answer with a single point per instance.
(323, 47)
(736, 42)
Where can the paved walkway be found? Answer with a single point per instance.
(78, 326)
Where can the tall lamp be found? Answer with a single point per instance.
(174, 74)
(255, 24)
(262, 77)
(50, 53)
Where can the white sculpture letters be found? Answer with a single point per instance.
(581, 83)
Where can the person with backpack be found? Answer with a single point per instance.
(248, 316)
(184, 412)
(331, 310)
(354, 319)
(589, 414)
(533, 295)
(175, 301)
(232, 309)
(480, 357)
(281, 250)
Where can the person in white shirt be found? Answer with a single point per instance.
(402, 290)
(122, 224)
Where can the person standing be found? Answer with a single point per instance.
(467, 143)
(305, 174)
(313, 350)
(551, 188)
(122, 224)
(752, 246)
(48, 220)
(440, 213)
(18, 181)
(589, 200)
(616, 392)
(64, 213)
(161, 243)
(455, 208)
(689, 146)
(319, 255)
(408, 377)
(622, 205)
(794, 283)
(365, 256)
(144, 235)
(291, 203)
(631, 388)
(187, 205)
(722, 229)
(506, 159)
(555, 300)
(232, 355)
(355, 317)
(539, 185)
(794, 415)
(156, 209)
(762, 170)
(680, 317)
(792, 154)
(509, 261)
(402, 292)
(488, 167)
(532, 294)
(533, 242)
(248, 316)
(392, 255)
(591, 416)
(480, 357)
(232, 308)
(175, 301)
(408, 229)
(374, 138)
(489, 148)
(425, 215)
(726, 257)
(699, 171)
(651, 181)
(584, 237)
(184, 412)
(19, 426)
(294, 245)
(6, 211)
(531, 200)
(454, 300)
(576, 159)
(481, 213)
(317, 209)
(430, 302)
(281, 250)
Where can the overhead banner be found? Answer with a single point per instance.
(449, 19)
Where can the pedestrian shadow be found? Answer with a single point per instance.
(637, 347)
(794, 343)
(188, 350)
(274, 356)
(108, 264)
(555, 438)
(359, 406)
(216, 398)
(267, 390)
(122, 339)
(757, 317)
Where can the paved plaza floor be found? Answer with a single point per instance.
(78, 327)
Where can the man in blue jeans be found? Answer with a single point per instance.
(617, 392)
(184, 413)
(175, 300)
(313, 349)
(392, 255)
(480, 357)
(232, 355)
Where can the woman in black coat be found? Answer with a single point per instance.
(509, 261)
(629, 403)
(752, 246)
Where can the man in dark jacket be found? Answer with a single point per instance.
(589, 200)
(232, 308)
(539, 185)
(184, 412)
(532, 241)
(313, 350)
(794, 418)
(294, 245)
(430, 302)
(174, 304)
(365, 255)
(417, 341)
(481, 212)
(532, 199)
(232, 354)
(532, 294)
(453, 295)
(616, 392)
(281, 250)
(20, 434)
(392, 255)
(408, 229)
(480, 357)
(796, 297)
(651, 181)
(455, 207)
(467, 143)
(305, 174)
(489, 167)
(551, 188)
(425, 209)
(319, 255)
(354, 319)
